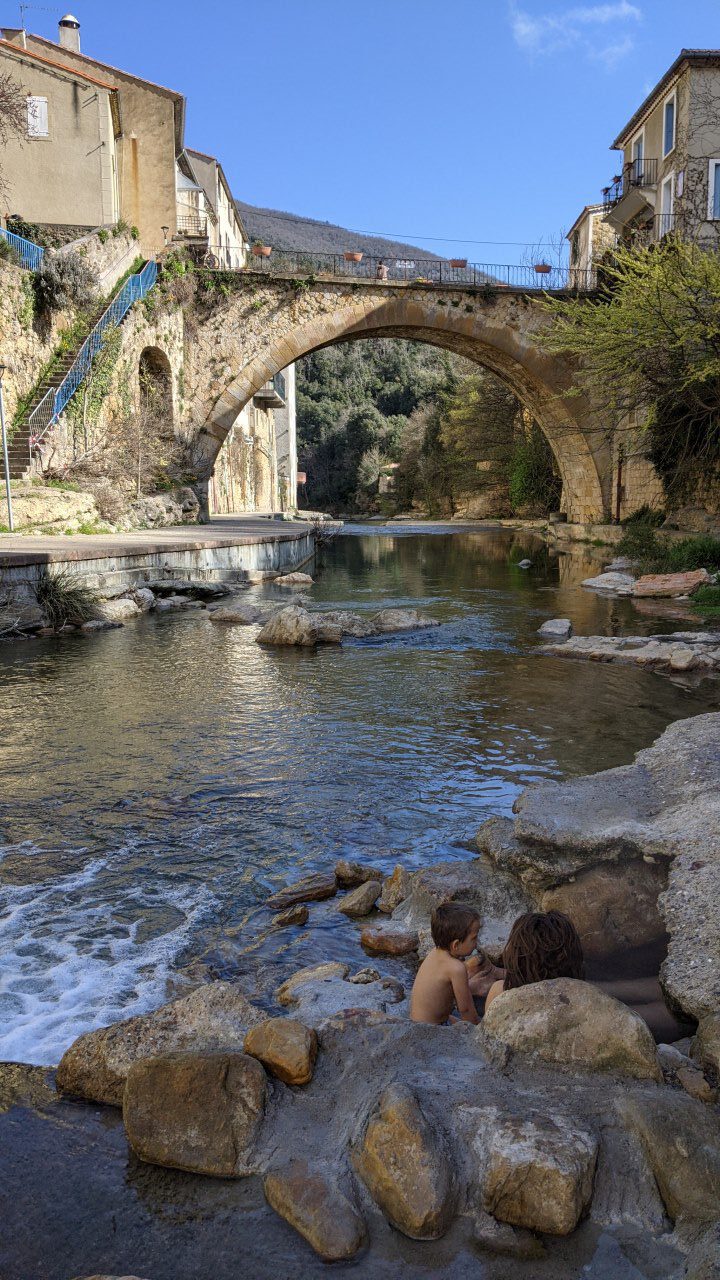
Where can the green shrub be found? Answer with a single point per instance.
(63, 280)
(706, 601)
(644, 516)
(103, 235)
(654, 554)
(65, 599)
(134, 233)
(533, 481)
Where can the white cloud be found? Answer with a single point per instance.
(577, 28)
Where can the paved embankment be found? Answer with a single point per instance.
(228, 545)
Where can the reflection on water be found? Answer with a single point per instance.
(156, 782)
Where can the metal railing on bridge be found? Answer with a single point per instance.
(424, 271)
(54, 401)
(29, 254)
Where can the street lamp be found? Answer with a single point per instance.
(165, 234)
(6, 462)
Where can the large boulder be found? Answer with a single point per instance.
(681, 1139)
(538, 1172)
(120, 610)
(310, 1199)
(286, 1048)
(395, 889)
(351, 624)
(403, 1162)
(360, 901)
(216, 1016)
(613, 908)
(295, 626)
(195, 1111)
(388, 620)
(573, 1024)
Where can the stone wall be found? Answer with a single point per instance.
(26, 343)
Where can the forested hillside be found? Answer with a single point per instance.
(460, 440)
(289, 231)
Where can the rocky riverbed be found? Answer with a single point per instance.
(553, 1141)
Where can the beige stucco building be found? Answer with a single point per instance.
(590, 236)
(668, 176)
(214, 215)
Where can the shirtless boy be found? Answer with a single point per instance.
(443, 982)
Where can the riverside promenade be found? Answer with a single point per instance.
(228, 545)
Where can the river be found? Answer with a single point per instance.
(157, 782)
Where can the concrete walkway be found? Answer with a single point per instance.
(223, 531)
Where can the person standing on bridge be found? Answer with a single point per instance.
(382, 271)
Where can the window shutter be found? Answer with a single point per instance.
(37, 117)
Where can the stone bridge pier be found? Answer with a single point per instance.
(251, 325)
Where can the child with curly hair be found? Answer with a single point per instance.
(542, 945)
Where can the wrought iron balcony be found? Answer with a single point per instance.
(192, 225)
(272, 394)
(635, 175)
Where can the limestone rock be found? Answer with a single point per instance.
(388, 620)
(144, 599)
(618, 584)
(556, 629)
(574, 1024)
(351, 624)
(245, 615)
(501, 1238)
(694, 1083)
(351, 874)
(386, 940)
(704, 1258)
(295, 626)
(538, 1172)
(613, 908)
(364, 976)
(495, 894)
(297, 915)
(403, 1163)
(312, 888)
(671, 584)
(195, 1111)
(395, 889)
(119, 610)
(214, 1017)
(286, 1047)
(681, 1139)
(170, 604)
(706, 1045)
(294, 580)
(287, 993)
(361, 900)
(310, 1199)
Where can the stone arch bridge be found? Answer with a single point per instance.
(250, 325)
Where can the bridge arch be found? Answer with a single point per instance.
(499, 332)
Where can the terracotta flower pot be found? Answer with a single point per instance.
(458, 263)
(543, 268)
(261, 250)
(353, 257)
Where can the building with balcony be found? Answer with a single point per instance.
(668, 174)
(256, 469)
(590, 237)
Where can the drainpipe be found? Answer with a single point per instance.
(619, 486)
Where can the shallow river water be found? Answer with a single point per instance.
(156, 782)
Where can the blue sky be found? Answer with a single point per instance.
(471, 120)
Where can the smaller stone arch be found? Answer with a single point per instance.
(155, 384)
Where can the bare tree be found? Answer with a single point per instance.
(13, 118)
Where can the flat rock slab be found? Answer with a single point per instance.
(215, 1017)
(664, 654)
(671, 584)
(195, 1111)
(287, 992)
(403, 1162)
(317, 999)
(573, 1023)
(538, 1173)
(286, 1048)
(385, 940)
(556, 629)
(617, 584)
(313, 888)
(243, 615)
(310, 1199)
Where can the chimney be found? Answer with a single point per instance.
(69, 30)
(14, 35)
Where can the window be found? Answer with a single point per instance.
(37, 117)
(669, 125)
(714, 191)
(667, 205)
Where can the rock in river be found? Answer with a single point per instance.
(350, 874)
(617, 584)
(286, 1047)
(295, 626)
(556, 629)
(312, 888)
(386, 940)
(401, 620)
(360, 901)
(293, 580)
(395, 890)
(195, 1111)
(573, 1023)
(214, 1017)
(671, 584)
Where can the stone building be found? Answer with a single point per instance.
(219, 224)
(668, 177)
(256, 469)
(590, 236)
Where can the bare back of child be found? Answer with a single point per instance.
(442, 984)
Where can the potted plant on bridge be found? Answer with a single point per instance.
(458, 264)
(542, 268)
(260, 250)
(352, 256)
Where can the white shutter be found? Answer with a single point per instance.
(37, 117)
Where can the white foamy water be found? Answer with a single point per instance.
(82, 951)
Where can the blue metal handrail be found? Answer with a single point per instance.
(47, 412)
(30, 254)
